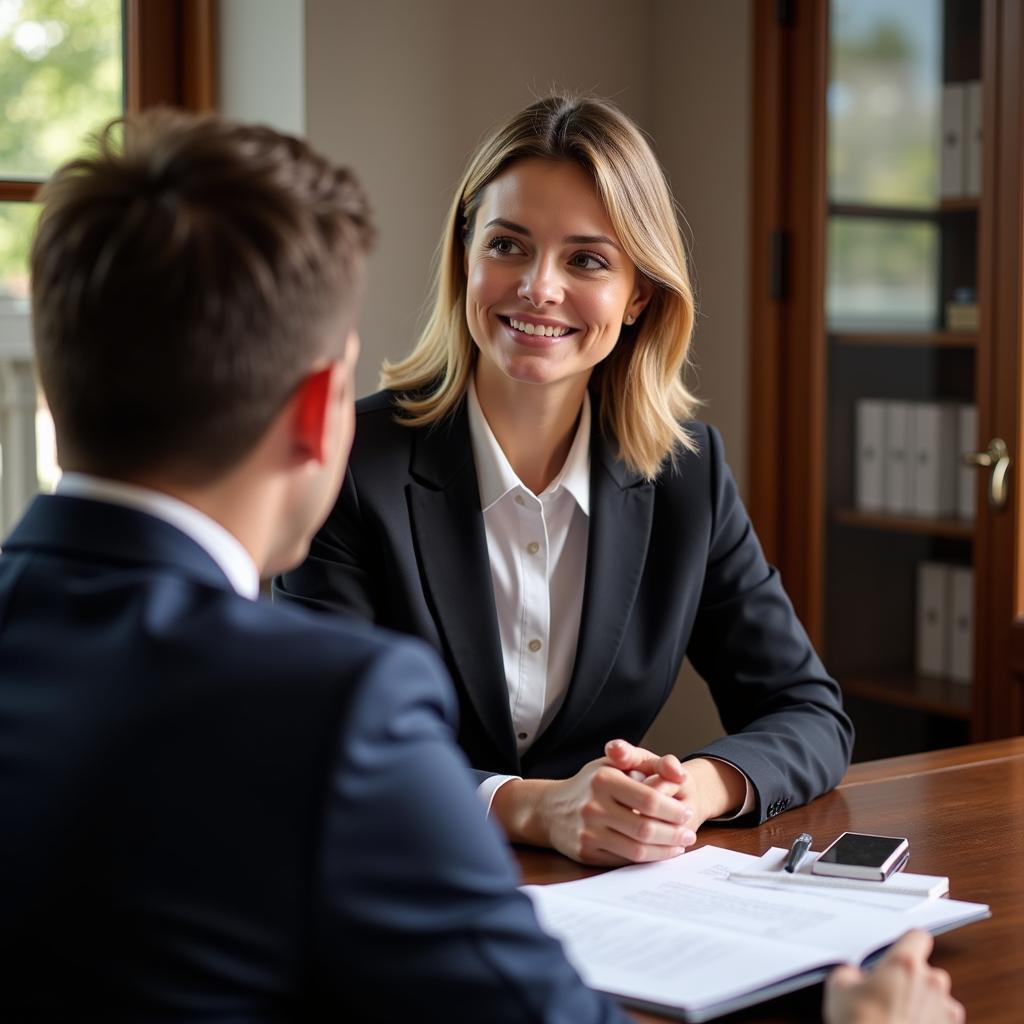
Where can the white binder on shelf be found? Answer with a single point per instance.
(951, 165)
(870, 465)
(961, 624)
(934, 445)
(932, 619)
(972, 139)
(899, 482)
(967, 476)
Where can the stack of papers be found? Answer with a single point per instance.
(684, 938)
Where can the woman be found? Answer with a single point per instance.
(530, 496)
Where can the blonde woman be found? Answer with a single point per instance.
(531, 496)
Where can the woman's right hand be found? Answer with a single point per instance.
(901, 989)
(601, 815)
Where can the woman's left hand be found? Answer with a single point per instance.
(710, 788)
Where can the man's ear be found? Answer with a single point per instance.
(311, 418)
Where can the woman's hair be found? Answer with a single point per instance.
(643, 399)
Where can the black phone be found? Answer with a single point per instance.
(856, 855)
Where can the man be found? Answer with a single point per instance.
(212, 807)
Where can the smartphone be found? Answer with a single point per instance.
(856, 855)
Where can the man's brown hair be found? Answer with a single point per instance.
(185, 278)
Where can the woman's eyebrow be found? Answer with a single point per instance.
(590, 240)
(510, 225)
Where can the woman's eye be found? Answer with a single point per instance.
(503, 246)
(588, 261)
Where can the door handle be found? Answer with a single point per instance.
(996, 458)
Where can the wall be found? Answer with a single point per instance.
(702, 90)
(262, 62)
(403, 89)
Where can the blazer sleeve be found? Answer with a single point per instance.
(416, 892)
(334, 576)
(787, 729)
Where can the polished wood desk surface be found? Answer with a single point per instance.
(963, 811)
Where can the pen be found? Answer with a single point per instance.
(797, 852)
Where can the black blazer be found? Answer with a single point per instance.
(219, 809)
(674, 569)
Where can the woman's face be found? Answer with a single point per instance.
(548, 284)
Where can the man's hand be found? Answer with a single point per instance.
(710, 788)
(901, 989)
(601, 815)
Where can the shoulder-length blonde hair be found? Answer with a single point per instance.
(643, 399)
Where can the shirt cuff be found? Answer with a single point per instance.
(748, 801)
(486, 790)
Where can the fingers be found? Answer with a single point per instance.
(609, 784)
(844, 977)
(913, 947)
(629, 758)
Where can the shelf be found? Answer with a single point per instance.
(875, 212)
(907, 339)
(936, 696)
(962, 529)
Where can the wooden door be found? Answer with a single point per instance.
(999, 707)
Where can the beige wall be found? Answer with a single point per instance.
(403, 89)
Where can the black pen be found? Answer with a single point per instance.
(797, 852)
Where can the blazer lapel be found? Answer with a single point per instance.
(621, 512)
(448, 526)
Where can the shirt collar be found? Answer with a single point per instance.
(495, 475)
(222, 546)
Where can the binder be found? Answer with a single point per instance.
(932, 619)
(870, 449)
(961, 625)
(951, 166)
(899, 481)
(967, 476)
(972, 139)
(933, 432)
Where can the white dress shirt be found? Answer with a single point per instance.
(537, 545)
(222, 546)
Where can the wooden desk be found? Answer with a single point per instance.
(963, 811)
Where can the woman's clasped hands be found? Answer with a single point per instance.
(630, 806)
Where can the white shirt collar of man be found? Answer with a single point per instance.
(496, 476)
(222, 546)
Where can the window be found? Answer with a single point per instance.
(66, 68)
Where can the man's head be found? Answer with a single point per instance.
(186, 280)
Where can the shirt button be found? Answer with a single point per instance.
(518, 499)
(534, 645)
(533, 547)
(522, 735)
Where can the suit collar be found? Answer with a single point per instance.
(220, 544)
(96, 530)
(495, 475)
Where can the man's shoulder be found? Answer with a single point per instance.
(277, 631)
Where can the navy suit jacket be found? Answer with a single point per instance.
(217, 809)
(674, 569)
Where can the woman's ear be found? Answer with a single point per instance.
(643, 292)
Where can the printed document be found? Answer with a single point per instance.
(680, 937)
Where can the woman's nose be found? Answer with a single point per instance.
(541, 284)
